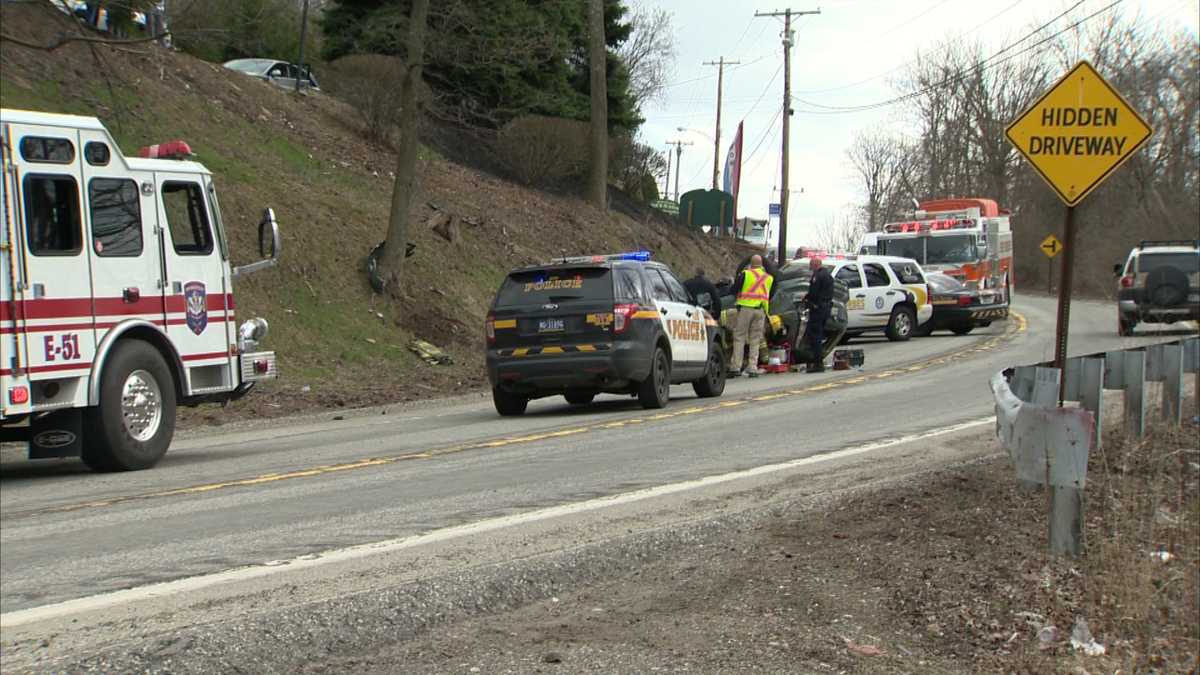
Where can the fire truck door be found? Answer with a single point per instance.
(56, 313)
(196, 296)
(121, 216)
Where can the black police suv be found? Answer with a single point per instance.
(617, 323)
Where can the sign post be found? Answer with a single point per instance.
(1075, 136)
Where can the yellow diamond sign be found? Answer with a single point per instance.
(1051, 246)
(1078, 133)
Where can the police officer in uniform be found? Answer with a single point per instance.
(820, 302)
(753, 297)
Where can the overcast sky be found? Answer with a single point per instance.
(845, 56)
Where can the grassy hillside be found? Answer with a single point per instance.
(330, 191)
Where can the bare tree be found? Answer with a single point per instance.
(842, 232)
(598, 57)
(649, 53)
(391, 262)
(880, 161)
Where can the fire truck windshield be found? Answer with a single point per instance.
(932, 250)
(959, 248)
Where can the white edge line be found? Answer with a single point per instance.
(178, 586)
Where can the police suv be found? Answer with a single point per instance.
(887, 294)
(580, 326)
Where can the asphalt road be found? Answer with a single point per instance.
(228, 498)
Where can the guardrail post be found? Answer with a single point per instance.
(1045, 387)
(1114, 370)
(1135, 388)
(1091, 391)
(1072, 376)
(1022, 382)
(1172, 406)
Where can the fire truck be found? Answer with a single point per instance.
(116, 293)
(967, 239)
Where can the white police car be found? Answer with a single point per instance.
(887, 294)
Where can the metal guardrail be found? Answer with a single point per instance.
(1049, 445)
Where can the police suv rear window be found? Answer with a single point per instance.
(907, 273)
(538, 287)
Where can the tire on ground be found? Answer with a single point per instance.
(712, 383)
(110, 444)
(901, 324)
(507, 403)
(655, 390)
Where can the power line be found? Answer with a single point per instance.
(985, 65)
(943, 48)
(764, 92)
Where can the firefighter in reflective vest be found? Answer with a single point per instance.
(754, 294)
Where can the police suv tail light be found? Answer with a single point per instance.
(964, 300)
(1126, 282)
(623, 316)
(489, 328)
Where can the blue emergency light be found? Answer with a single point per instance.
(637, 256)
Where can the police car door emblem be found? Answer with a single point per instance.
(196, 301)
(878, 303)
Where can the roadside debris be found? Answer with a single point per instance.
(1081, 639)
(429, 353)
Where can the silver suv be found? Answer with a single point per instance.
(1160, 283)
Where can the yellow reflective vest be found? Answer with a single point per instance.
(756, 289)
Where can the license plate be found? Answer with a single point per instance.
(550, 325)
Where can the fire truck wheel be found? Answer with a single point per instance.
(507, 403)
(900, 326)
(135, 421)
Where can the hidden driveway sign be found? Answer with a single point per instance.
(1078, 133)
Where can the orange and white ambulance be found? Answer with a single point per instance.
(116, 293)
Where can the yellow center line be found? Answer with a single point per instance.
(1019, 325)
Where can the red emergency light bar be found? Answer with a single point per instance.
(169, 150)
(930, 225)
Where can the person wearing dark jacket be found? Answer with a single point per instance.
(705, 293)
(820, 302)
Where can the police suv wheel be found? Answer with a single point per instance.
(901, 324)
(712, 383)
(507, 403)
(655, 390)
(133, 426)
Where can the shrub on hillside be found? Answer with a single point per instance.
(543, 150)
(370, 83)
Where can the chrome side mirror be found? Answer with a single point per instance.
(269, 245)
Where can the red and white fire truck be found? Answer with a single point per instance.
(967, 239)
(116, 293)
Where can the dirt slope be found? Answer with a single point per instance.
(338, 344)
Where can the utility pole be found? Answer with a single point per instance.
(720, 64)
(787, 15)
(678, 158)
(300, 73)
(667, 183)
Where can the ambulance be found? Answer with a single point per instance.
(116, 293)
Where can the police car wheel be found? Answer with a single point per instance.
(507, 403)
(712, 383)
(133, 426)
(655, 390)
(577, 397)
(900, 326)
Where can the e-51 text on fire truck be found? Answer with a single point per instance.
(967, 239)
(116, 293)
